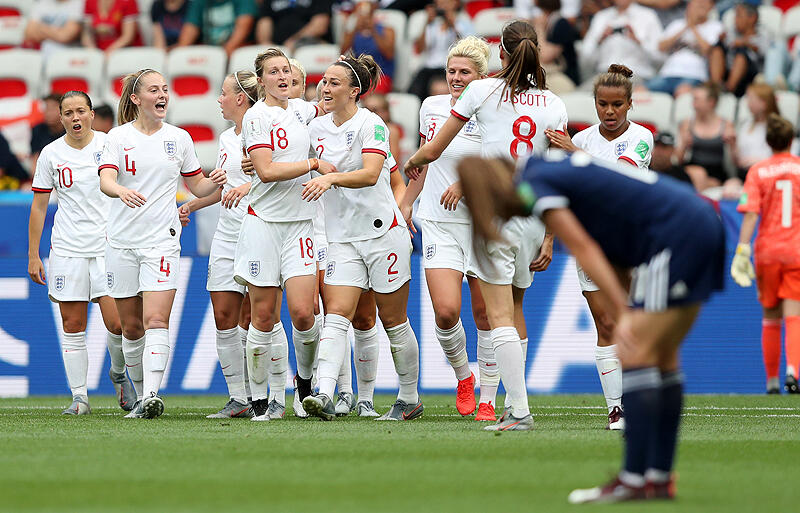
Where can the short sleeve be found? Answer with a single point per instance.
(245, 8)
(109, 159)
(130, 9)
(750, 200)
(43, 176)
(254, 131)
(195, 13)
(422, 113)
(391, 163)
(157, 12)
(190, 165)
(467, 104)
(375, 137)
(563, 119)
(638, 155)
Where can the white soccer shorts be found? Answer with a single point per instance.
(76, 278)
(132, 271)
(587, 285)
(507, 262)
(220, 268)
(446, 245)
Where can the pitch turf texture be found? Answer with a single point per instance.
(737, 453)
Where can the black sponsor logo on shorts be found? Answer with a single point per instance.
(172, 231)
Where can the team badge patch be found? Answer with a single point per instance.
(642, 149)
(620, 148)
(171, 148)
(97, 156)
(59, 282)
(348, 139)
(471, 127)
(110, 280)
(255, 126)
(299, 117)
(330, 269)
(255, 267)
(430, 251)
(322, 253)
(380, 133)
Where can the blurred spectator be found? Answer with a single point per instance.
(438, 86)
(667, 10)
(782, 60)
(739, 57)
(663, 158)
(11, 171)
(751, 138)
(688, 43)
(407, 6)
(168, 17)
(110, 24)
(589, 8)
(54, 24)
(294, 22)
(626, 33)
(225, 23)
(368, 36)
(49, 129)
(103, 118)
(705, 140)
(447, 23)
(379, 104)
(531, 9)
(557, 39)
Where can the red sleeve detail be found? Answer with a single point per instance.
(192, 173)
(422, 135)
(257, 146)
(628, 160)
(393, 169)
(37, 189)
(561, 132)
(374, 150)
(459, 116)
(316, 110)
(107, 166)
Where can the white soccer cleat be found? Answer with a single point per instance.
(79, 406)
(297, 406)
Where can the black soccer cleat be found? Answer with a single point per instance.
(790, 385)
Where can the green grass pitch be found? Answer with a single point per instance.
(737, 453)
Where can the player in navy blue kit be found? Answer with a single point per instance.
(615, 219)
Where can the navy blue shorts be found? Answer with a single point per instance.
(686, 263)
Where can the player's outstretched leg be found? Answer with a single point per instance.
(345, 402)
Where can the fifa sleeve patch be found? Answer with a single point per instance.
(380, 133)
(642, 149)
(254, 126)
(743, 199)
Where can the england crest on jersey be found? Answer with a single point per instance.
(97, 156)
(255, 267)
(348, 138)
(471, 127)
(59, 282)
(171, 148)
(620, 148)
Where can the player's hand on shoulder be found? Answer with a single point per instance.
(218, 176)
(132, 198)
(247, 166)
(36, 271)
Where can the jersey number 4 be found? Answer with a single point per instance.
(521, 138)
(130, 166)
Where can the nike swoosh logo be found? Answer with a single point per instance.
(411, 413)
(62, 165)
(163, 281)
(276, 124)
(320, 138)
(227, 366)
(276, 359)
(151, 352)
(260, 354)
(607, 372)
(236, 414)
(491, 364)
(128, 149)
(310, 263)
(360, 360)
(392, 279)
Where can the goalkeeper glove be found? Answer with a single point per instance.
(741, 267)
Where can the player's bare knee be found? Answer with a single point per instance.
(225, 318)
(447, 315)
(74, 325)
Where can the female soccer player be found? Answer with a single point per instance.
(76, 273)
(141, 163)
(275, 248)
(446, 232)
(228, 298)
(606, 216)
(613, 139)
(368, 243)
(512, 111)
(771, 191)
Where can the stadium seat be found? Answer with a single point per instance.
(15, 7)
(788, 106)
(580, 110)
(128, 60)
(769, 18)
(473, 7)
(652, 110)
(244, 58)
(338, 21)
(726, 109)
(791, 22)
(196, 70)
(489, 22)
(316, 59)
(20, 72)
(200, 116)
(144, 21)
(404, 110)
(12, 31)
(78, 69)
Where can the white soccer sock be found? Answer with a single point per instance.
(258, 349)
(114, 344)
(231, 359)
(366, 361)
(508, 352)
(155, 358)
(332, 346)
(305, 347)
(243, 340)
(454, 345)
(405, 353)
(76, 362)
(487, 368)
(524, 343)
(278, 364)
(133, 350)
(610, 373)
(345, 379)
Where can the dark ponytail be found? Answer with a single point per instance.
(363, 72)
(524, 69)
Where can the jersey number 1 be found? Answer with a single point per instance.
(785, 186)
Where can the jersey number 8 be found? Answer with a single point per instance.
(522, 138)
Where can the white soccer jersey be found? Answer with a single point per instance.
(510, 129)
(356, 214)
(79, 227)
(151, 165)
(283, 131)
(442, 172)
(634, 146)
(230, 159)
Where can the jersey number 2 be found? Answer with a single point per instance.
(520, 138)
(785, 186)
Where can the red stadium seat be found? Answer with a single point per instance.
(20, 72)
(475, 6)
(128, 60)
(74, 68)
(196, 70)
(316, 59)
(200, 116)
(200, 133)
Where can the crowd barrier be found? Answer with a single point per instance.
(722, 354)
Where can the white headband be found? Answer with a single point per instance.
(144, 72)
(236, 76)
(503, 46)
(360, 89)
